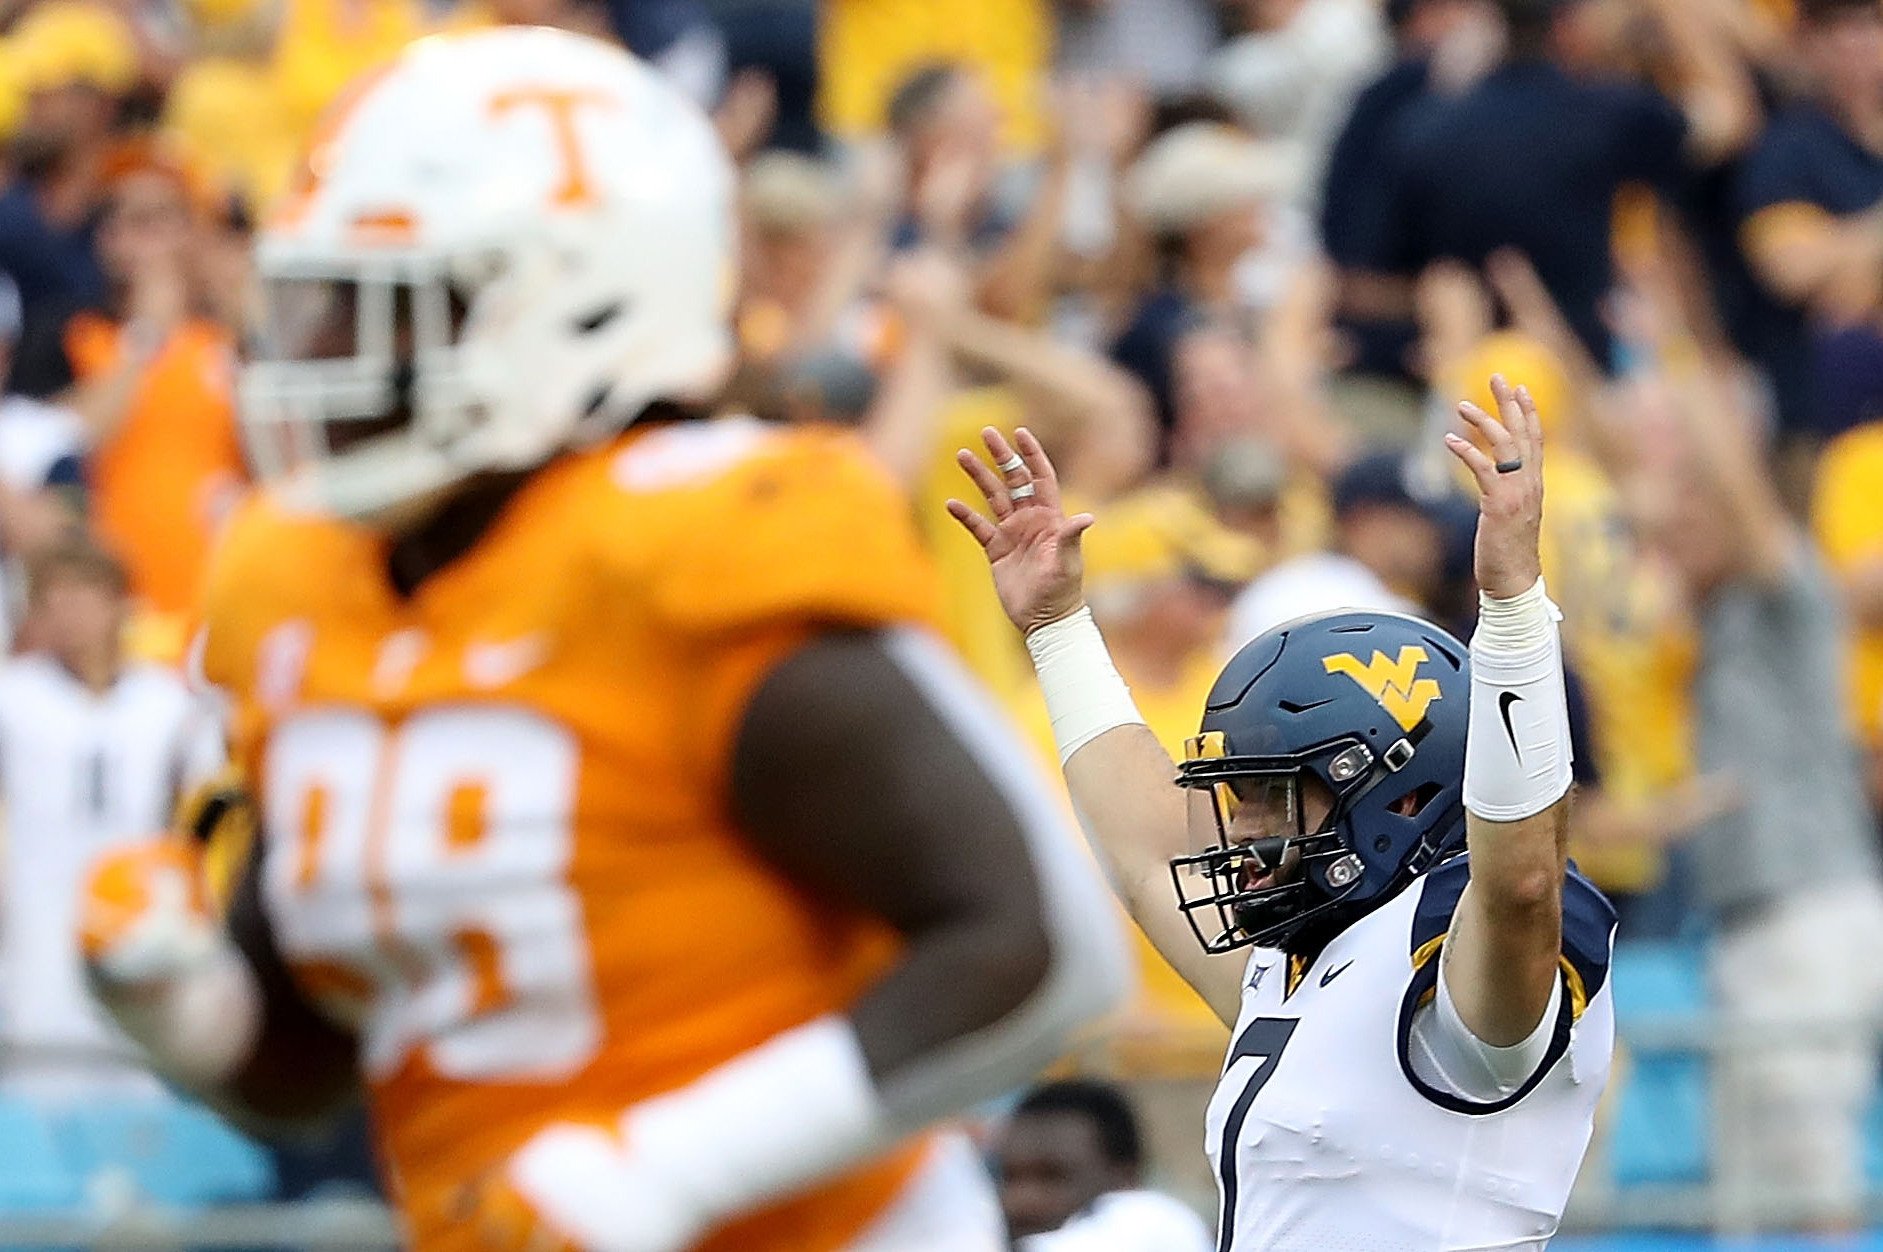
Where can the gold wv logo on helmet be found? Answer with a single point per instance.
(1395, 683)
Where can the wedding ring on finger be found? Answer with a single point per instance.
(1023, 492)
(1012, 463)
(1511, 466)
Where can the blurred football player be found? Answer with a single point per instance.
(621, 827)
(1422, 1029)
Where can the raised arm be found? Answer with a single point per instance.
(1810, 258)
(1716, 91)
(1121, 779)
(1536, 313)
(158, 302)
(1015, 282)
(927, 289)
(1718, 430)
(1503, 950)
(1095, 414)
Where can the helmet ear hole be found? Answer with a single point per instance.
(1413, 802)
(599, 319)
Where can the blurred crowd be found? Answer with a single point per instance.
(1233, 261)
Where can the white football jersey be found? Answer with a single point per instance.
(1324, 1140)
(80, 773)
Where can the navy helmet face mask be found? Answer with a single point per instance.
(1328, 774)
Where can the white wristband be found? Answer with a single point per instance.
(1085, 697)
(790, 1111)
(1517, 756)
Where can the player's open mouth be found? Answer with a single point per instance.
(1266, 863)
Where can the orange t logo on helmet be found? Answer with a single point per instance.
(560, 105)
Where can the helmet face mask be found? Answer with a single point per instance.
(366, 389)
(1255, 885)
(1328, 773)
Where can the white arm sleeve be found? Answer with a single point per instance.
(1085, 697)
(1448, 1057)
(1517, 754)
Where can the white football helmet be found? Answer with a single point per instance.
(504, 244)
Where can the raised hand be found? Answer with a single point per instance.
(1032, 546)
(929, 288)
(1510, 486)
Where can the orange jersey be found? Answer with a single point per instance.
(165, 479)
(496, 828)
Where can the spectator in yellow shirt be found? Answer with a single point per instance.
(1847, 517)
(224, 113)
(920, 372)
(868, 47)
(325, 44)
(1626, 636)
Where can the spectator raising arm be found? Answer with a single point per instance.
(1095, 414)
(1755, 32)
(1809, 196)
(1535, 312)
(1088, 408)
(1716, 432)
(1016, 280)
(928, 290)
(1807, 256)
(1715, 91)
(1726, 454)
(860, 250)
(1293, 358)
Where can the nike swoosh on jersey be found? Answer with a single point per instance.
(1504, 700)
(1334, 973)
(500, 663)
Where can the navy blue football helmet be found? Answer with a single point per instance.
(1361, 714)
